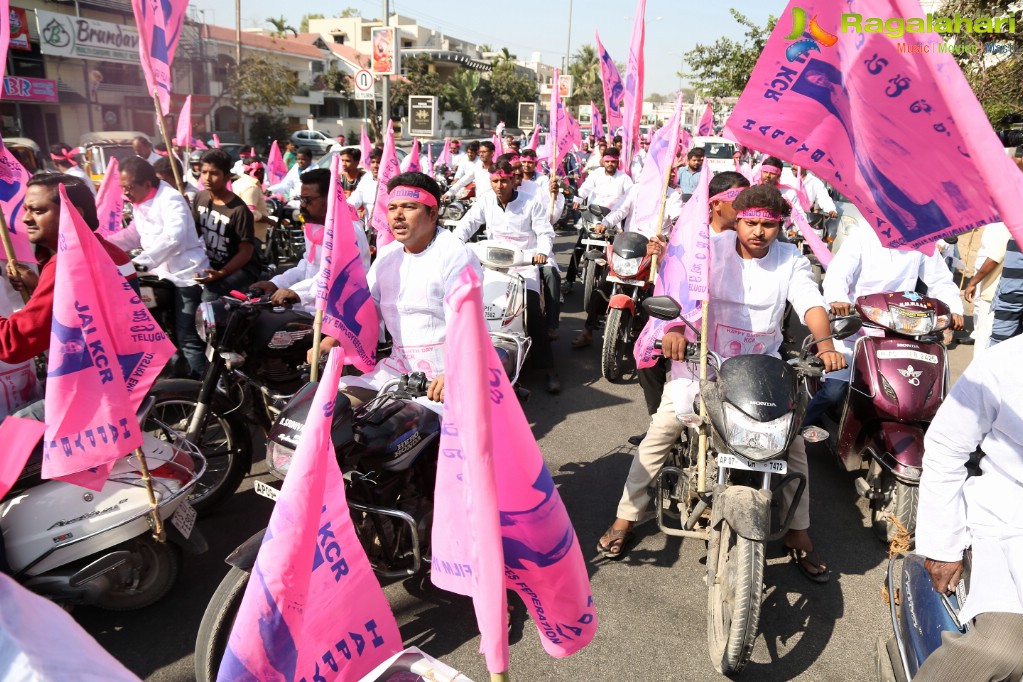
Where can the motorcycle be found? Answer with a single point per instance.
(387, 451)
(919, 615)
(95, 548)
(452, 211)
(753, 411)
(898, 378)
(591, 251)
(257, 362)
(285, 238)
(629, 274)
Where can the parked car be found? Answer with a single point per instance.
(99, 147)
(315, 140)
(717, 153)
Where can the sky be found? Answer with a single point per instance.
(527, 26)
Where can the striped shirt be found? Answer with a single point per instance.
(1008, 302)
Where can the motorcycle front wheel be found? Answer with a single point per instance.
(733, 598)
(589, 283)
(616, 343)
(217, 621)
(224, 441)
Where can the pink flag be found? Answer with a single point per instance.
(388, 169)
(105, 353)
(564, 130)
(652, 179)
(216, 141)
(19, 437)
(706, 123)
(312, 609)
(596, 124)
(429, 160)
(445, 156)
(349, 314)
(159, 25)
(534, 139)
(365, 146)
(5, 34)
(13, 179)
(411, 164)
(684, 271)
(110, 200)
(499, 522)
(858, 110)
(633, 103)
(498, 145)
(813, 240)
(614, 90)
(276, 169)
(184, 133)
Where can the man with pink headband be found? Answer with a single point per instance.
(65, 158)
(754, 276)
(480, 174)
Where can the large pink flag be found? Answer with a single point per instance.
(276, 169)
(312, 609)
(159, 25)
(183, 136)
(19, 437)
(411, 164)
(614, 89)
(499, 522)
(684, 273)
(365, 146)
(596, 123)
(633, 102)
(652, 179)
(13, 184)
(105, 353)
(342, 293)
(859, 109)
(388, 169)
(110, 200)
(707, 122)
(445, 156)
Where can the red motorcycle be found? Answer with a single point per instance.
(629, 274)
(898, 379)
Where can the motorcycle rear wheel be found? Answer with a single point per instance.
(898, 499)
(616, 343)
(217, 621)
(733, 599)
(153, 569)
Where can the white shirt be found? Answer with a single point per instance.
(302, 277)
(637, 163)
(522, 224)
(290, 185)
(542, 186)
(993, 244)
(409, 291)
(365, 196)
(464, 166)
(479, 175)
(817, 193)
(79, 173)
(153, 157)
(984, 408)
(605, 190)
(672, 210)
(163, 228)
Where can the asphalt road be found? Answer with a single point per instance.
(651, 605)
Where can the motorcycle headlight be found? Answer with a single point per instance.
(879, 316)
(278, 459)
(757, 441)
(205, 322)
(625, 267)
(914, 323)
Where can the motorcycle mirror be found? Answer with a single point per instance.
(844, 327)
(951, 240)
(599, 211)
(662, 307)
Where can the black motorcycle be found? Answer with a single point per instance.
(285, 238)
(257, 362)
(387, 451)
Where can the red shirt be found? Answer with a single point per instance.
(26, 333)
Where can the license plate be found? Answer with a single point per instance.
(907, 355)
(267, 491)
(774, 466)
(147, 296)
(209, 351)
(594, 243)
(184, 519)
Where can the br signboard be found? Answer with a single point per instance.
(422, 116)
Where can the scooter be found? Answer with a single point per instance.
(387, 450)
(629, 274)
(77, 546)
(898, 378)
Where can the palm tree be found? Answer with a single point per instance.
(585, 71)
(459, 94)
(281, 26)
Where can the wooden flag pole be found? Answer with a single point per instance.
(701, 462)
(499, 677)
(660, 222)
(12, 261)
(314, 366)
(167, 143)
(158, 531)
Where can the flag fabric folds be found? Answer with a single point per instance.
(652, 180)
(411, 164)
(858, 111)
(614, 89)
(342, 293)
(445, 156)
(706, 122)
(276, 169)
(596, 124)
(499, 522)
(632, 106)
(110, 200)
(312, 608)
(183, 136)
(365, 146)
(13, 184)
(388, 169)
(159, 23)
(534, 139)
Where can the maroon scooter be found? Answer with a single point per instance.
(898, 379)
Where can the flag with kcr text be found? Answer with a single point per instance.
(159, 23)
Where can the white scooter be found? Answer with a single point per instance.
(505, 271)
(74, 545)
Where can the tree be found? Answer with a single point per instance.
(281, 26)
(587, 82)
(259, 84)
(303, 26)
(419, 80)
(459, 94)
(723, 68)
(348, 13)
(995, 75)
(506, 87)
(334, 80)
(658, 98)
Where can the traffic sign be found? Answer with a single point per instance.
(364, 83)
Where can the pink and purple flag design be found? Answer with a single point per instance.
(445, 156)
(859, 111)
(652, 180)
(159, 23)
(13, 184)
(706, 127)
(312, 609)
(276, 169)
(365, 146)
(388, 169)
(110, 200)
(596, 123)
(411, 164)
(499, 522)
(342, 293)
(614, 89)
(632, 106)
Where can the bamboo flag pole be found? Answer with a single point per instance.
(314, 369)
(660, 219)
(499, 677)
(12, 261)
(167, 143)
(154, 507)
(701, 462)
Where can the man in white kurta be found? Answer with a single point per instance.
(993, 244)
(983, 410)
(607, 188)
(480, 174)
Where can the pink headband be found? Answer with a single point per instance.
(498, 173)
(404, 192)
(608, 157)
(515, 159)
(68, 156)
(253, 167)
(770, 169)
(728, 194)
(759, 213)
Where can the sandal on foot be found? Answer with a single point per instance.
(615, 542)
(810, 564)
(582, 340)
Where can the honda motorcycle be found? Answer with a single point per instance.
(387, 451)
(753, 411)
(257, 362)
(590, 252)
(898, 378)
(285, 238)
(77, 546)
(629, 274)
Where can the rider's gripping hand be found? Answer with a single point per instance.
(840, 309)
(435, 392)
(326, 343)
(655, 247)
(673, 346)
(282, 296)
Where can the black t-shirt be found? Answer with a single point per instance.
(223, 229)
